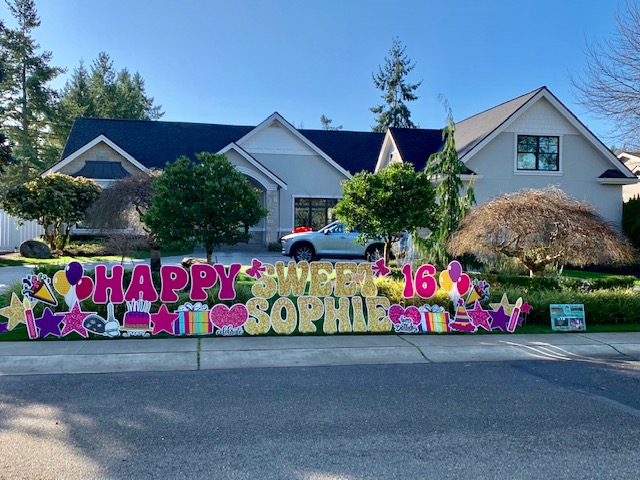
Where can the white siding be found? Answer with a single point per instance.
(542, 118)
(276, 139)
(12, 235)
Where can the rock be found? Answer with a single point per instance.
(188, 261)
(35, 249)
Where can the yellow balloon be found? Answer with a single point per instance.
(445, 281)
(60, 282)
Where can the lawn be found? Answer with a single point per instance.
(15, 259)
(588, 275)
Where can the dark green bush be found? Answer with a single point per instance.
(631, 220)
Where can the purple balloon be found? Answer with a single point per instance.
(455, 270)
(74, 272)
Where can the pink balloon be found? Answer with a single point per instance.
(455, 270)
(84, 288)
(463, 284)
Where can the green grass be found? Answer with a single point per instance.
(14, 259)
(588, 275)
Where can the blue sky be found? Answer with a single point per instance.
(236, 62)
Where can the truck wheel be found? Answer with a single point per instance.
(303, 253)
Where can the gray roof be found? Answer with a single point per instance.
(471, 131)
(156, 143)
(102, 170)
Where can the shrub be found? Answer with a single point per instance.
(631, 220)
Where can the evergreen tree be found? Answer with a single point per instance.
(26, 101)
(103, 92)
(326, 124)
(396, 91)
(445, 168)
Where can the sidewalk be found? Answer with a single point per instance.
(209, 353)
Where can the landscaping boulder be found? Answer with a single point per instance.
(188, 261)
(35, 249)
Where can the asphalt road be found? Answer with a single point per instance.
(481, 420)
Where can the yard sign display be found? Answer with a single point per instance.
(286, 298)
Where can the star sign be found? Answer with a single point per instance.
(479, 317)
(73, 321)
(499, 319)
(49, 323)
(504, 303)
(14, 312)
(525, 308)
(163, 321)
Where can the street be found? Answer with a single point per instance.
(578, 419)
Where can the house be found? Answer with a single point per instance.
(632, 161)
(299, 172)
(531, 141)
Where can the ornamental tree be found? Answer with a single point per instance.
(382, 204)
(539, 228)
(118, 212)
(444, 168)
(209, 202)
(56, 202)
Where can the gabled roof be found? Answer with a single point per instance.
(102, 170)
(472, 130)
(417, 145)
(154, 143)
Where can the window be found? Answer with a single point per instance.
(314, 212)
(538, 153)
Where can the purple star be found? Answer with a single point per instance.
(3, 327)
(48, 323)
(499, 319)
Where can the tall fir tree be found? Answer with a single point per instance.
(103, 92)
(445, 168)
(26, 100)
(396, 90)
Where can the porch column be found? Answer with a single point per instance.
(271, 224)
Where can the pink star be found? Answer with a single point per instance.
(525, 308)
(73, 321)
(479, 317)
(163, 321)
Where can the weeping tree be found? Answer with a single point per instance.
(539, 228)
(445, 168)
(118, 212)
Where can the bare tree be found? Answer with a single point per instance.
(610, 86)
(119, 209)
(539, 228)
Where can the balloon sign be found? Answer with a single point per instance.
(454, 282)
(74, 272)
(84, 288)
(60, 283)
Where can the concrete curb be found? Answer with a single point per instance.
(210, 353)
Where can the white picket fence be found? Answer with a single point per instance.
(12, 234)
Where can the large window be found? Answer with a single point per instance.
(314, 212)
(538, 153)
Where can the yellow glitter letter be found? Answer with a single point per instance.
(309, 310)
(377, 308)
(258, 322)
(286, 325)
(341, 314)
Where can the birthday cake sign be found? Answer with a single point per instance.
(294, 297)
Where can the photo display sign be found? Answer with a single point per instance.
(568, 317)
(287, 298)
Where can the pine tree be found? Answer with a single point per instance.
(445, 168)
(326, 124)
(26, 100)
(103, 92)
(396, 91)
